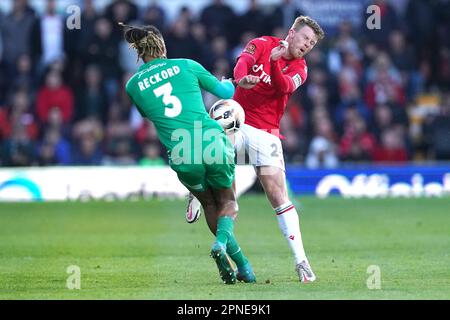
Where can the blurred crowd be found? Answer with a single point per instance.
(371, 96)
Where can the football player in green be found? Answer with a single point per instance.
(168, 92)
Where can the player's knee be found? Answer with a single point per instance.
(228, 208)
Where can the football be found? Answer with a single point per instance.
(229, 114)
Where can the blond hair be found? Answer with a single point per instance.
(302, 21)
(147, 41)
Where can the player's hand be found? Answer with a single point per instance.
(248, 81)
(279, 50)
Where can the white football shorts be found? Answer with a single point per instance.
(258, 148)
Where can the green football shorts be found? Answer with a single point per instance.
(215, 170)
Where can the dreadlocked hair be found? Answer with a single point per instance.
(146, 40)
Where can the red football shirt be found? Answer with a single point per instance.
(265, 103)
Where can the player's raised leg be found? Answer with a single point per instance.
(273, 181)
(225, 198)
(220, 222)
(220, 215)
(193, 211)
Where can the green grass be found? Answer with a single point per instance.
(145, 250)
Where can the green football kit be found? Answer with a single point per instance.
(168, 92)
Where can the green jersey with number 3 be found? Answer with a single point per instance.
(168, 92)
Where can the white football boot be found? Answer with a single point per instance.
(193, 212)
(305, 272)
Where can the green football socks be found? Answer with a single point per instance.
(224, 232)
(235, 252)
(225, 235)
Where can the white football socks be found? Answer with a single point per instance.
(290, 227)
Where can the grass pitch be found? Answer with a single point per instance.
(145, 250)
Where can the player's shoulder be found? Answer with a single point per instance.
(130, 82)
(262, 44)
(301, 64)
(179, 60)
(186, 63)
(266, 40)
(299, 61)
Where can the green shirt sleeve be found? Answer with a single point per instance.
(223, 89)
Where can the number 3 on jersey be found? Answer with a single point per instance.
(165, 91)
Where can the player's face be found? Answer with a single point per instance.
(301, 42)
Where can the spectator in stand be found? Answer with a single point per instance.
(350, 98)
(421, 23)
(20, 20)
(186, 14)
(146, 133)
(382, 119)
(46, 155)
(23, 78)
(443, 74)
(322, 151)
(389, 21)
(120, 11)
(357, 144)
(120, 153)
(154, 15)
(204, 53)
(151, 155)
(18, 149)
(48, 37)
(89, 17)
(404, 58)
(219, 51)
(180, 43)
(119, 142)
(219, 20)
(392, 148)
(385, 85)
(87, 135)
(19, 114)
(344, 44)
(54, 149)
(437, 131)
(56, 122)
(282, 15)
(103, 50)
(254, 20)
(294, 144)
(92, 99)
(245, 38)
(76, 42)
(54, 94)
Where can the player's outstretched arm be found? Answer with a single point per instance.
(240, 72)
(223, 89)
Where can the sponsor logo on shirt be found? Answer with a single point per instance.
(262, 74)
(250, 48)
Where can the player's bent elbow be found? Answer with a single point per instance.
(284, 89)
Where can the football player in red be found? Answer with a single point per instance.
(267, 73)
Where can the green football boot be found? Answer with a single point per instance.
(246, 274)
(224, 264)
